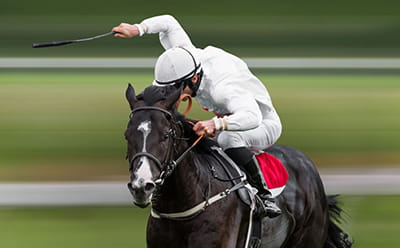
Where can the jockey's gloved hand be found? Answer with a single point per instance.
(206, 128)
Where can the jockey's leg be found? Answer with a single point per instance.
(260, 138)
(236, 144)
(246, 160)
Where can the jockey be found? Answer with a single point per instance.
(222, 83)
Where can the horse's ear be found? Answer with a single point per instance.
(130, 96)
(172, 98)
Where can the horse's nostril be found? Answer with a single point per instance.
(130, 186)
(149, 186)
(144, 188)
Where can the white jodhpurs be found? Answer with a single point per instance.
(266, 134)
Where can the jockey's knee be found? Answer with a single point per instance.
(276, 133)
(230, 140)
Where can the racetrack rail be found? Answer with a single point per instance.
(371, 182)
(290, 63)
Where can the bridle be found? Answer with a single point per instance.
(168, 165)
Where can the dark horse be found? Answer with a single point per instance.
(191, 202)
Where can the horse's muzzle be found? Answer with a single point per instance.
(141, 192)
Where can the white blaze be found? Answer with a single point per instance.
(144, 171)
(145, 128)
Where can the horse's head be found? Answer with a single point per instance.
(151, 136)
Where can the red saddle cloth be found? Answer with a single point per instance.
(275, 173)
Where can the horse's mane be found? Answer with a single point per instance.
(154, 94)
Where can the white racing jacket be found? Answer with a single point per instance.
(228, 88)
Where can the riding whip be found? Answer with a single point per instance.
(65, 42)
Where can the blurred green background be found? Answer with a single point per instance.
(68, 124)
(291, 28)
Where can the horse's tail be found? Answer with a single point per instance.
(337, 238)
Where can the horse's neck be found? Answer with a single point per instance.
(183, 189)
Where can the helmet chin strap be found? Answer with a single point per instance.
(194, 86)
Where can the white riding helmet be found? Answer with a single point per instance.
(174, 66)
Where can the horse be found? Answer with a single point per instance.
(193, 205)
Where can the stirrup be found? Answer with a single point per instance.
(255, 242)
(272, 209)
(266, 208)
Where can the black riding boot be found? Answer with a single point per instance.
(248, 163)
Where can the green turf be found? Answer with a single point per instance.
(372, 221)
(69, 124)
(72, 227)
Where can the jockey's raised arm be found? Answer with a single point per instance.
(170, 31)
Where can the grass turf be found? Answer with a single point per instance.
(69, 124)
(371, 220)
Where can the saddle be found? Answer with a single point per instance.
(275, 176)
(274, 172)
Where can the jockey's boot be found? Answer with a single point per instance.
(246, 160)
(257, 180)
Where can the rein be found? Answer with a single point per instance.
(185, 97)
(170, 167)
